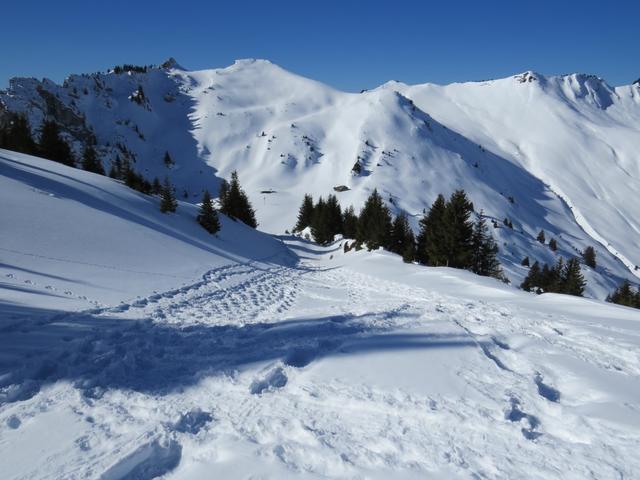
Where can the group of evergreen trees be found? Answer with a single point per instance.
(560, 278)
(17, 136)
(624, 295)
(234, 202)
(447, 235)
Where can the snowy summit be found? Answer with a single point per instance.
(244, 273)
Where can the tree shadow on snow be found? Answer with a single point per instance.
(96, 353)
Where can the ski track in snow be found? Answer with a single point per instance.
(222, 370)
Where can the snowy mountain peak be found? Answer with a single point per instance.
(171, 63)
(527, 77)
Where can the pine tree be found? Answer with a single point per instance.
(401, 239)
(334, 215)
(541, 237)
(168, 161)
(484, 251)
(116, 168)
(90, 161)
(208, 217)
(431, 242)
(589, 256)
(525, 262)
(349, 223)
(459, 230)
(53, 147)
(374, 223)
(305, 214)
(235, 203)
(168, 202)
(624, 295)
(573, 282)
(156, 186)
(321, 224)
(223, 192)
(553, 245)
(533, 279)
(17, 136)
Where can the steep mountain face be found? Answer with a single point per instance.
(556, 153)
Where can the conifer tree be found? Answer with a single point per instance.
(167, 160)
(525, 262)
(168, 202)
(90, 161)
(401, 239)
(589, 256)
(156, 186)
(208, 217)
(484, 251)
(116, 168)
(541, 237)
(624, 295)
(553, 245)
(431, 242)
(53, 147)
(320, 223)
(533, 279)
(223, 192)
(459, 230)
(374, 223)
(235, 203)
(572, 280)
(334, 215)
(305, 214)
(17, 136)
(349, 223)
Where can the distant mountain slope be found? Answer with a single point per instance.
(525, 148)
(71, 239)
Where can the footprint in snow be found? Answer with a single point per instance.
(274, 380)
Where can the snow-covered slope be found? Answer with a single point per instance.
(574, 132)
(533, 151)
(71, 239)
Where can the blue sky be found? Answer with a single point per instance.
(348, 44)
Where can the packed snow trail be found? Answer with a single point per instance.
(324, 369)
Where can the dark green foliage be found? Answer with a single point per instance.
(349, 223)
(357, 168)
(374, 223)
(533, 278)
(90, 161)
(118, 69)
(168, 202)
(589, 257)
(572, 282)
(320, 225)
(553, 245)
(208, 217)
(561, 278)
(167, 160)
(234, 202)
(431, 245)
(459, 230)
(525, 262)
(541, 237)
(116, 169)
(401, 239)
(17, 136)
(53, 147)
(624, 295)
(156, 186)
(484, 251)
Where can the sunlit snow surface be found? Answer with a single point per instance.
(552, 153)
(135, 345)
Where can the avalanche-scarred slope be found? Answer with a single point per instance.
(574, 132)
(340, 366)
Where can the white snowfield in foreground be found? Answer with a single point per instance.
(135, 345)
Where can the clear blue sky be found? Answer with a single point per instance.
(348, 44)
